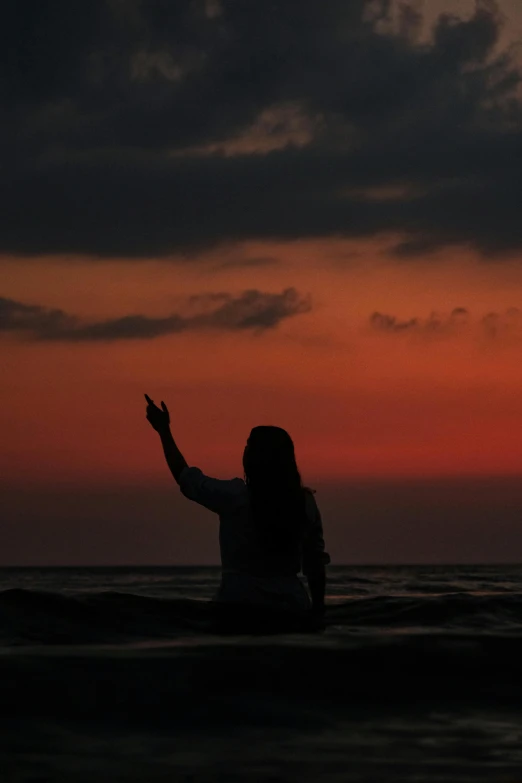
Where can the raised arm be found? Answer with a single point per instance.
(159, 420)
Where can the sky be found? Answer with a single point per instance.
(294, 213)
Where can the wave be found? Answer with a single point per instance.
(134, 660)
(37, 617)
(261, 682)
(447, 611)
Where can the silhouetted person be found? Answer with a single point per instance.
(270, 530)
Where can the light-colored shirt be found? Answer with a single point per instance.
(248, 575)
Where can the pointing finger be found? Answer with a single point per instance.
(149, 399)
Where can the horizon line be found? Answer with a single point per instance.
(218, 566)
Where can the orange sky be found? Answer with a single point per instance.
(83, 474)
(356, 402)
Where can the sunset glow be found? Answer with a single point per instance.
(389, 350)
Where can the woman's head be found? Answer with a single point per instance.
(275, 488)
(269, 453)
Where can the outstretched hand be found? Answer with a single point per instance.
(159, 419)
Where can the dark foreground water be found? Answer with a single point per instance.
(114, 674)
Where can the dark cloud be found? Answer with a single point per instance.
(506, 325)
(35, 319)
(381, 322)
(252, 310)
(434, 324)
(101, 102)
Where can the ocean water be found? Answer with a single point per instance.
(116, 673)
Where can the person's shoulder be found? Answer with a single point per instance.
(238, 486)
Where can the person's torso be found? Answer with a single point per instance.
(252, 576)
(241, 550)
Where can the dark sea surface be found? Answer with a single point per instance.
(115, 673)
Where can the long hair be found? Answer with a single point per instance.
(277, 495)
